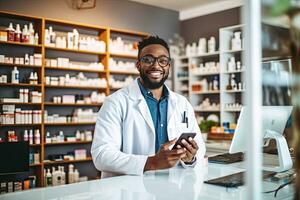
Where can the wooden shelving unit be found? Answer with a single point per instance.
(71, 104)
(40, 25)
(20, 65)
(67, 143)
(75, 69)
(67, 161)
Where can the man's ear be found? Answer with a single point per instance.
(137, 65)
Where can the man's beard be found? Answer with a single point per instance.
(153, 85)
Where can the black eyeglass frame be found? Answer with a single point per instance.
(155, 60)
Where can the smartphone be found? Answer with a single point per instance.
(185, 136)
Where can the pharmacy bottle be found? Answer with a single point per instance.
(48, 178)
(63, 175)
(15, 75)
(37, 137)
(18, 33)
(71, 174)
(10, 33)
(76, 176)
(25, 136)
(30, 137)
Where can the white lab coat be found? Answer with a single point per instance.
(125, 135)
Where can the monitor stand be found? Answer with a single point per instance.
(284, 157)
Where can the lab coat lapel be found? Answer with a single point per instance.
(136, 95)
(144, 110)
(171, 107)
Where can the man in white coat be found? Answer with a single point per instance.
(137, 125)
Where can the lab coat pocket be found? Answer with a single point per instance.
(182, 128)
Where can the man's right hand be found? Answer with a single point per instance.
(165, 158)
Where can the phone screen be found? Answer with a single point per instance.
(185, 136)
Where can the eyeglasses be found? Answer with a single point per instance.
(149, 60)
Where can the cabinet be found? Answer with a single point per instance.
(73, 81)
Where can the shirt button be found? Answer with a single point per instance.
(161, 125)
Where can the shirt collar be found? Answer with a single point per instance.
(147, 93)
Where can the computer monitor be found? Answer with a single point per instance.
(274, 118)
(14, 158)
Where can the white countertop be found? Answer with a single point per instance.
(175, 183)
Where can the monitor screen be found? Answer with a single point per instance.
(14, 157)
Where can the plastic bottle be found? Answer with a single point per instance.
(215, 83)
(76, 176)
(35, 78)
(37, 137)
(25, 135)
(10, 33)
(211, 45)
(30, 137)
(25, 35)
(15, 75)
(78, 136)
(18, 33)
(26, 59)
(71, 174)
(36, 39)
(31, 34)
(63, 175)
(61, 137)
(48, 178)
(56, 176)
(48, 137)
(31, 78)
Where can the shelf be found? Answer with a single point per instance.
(16, 125)
(67, 143)
(183, 66)
(219, 136)
(35, 165)
(75, 87)
(201, 110)
(118, 55)
(20, 85)
(234, 91)
(206, 54)
(67, 161)
(204, 74)
(75, 51)
(124, 72)
(207, 92)
(70, 124)
(20, 65)
(35, 145)
(20, 44)
(233, 110)
(75, 69)
(71, 104)
(21, 103)
(234, 72)
(233, 51)
(183, 89)
(183, 78)
(116, 88)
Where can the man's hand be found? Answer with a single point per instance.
(165, 158)
(191, 148)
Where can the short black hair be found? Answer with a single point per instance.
(152, 40)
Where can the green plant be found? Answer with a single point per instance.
(206, 125)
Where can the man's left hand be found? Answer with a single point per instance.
(191, 147)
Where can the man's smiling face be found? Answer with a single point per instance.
(154, 76)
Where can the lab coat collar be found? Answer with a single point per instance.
(135, 94)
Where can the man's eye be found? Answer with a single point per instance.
(147, 60)
(163, 61)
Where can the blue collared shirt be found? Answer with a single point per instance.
(158, 110)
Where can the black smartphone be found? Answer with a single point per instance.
(185, 136)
